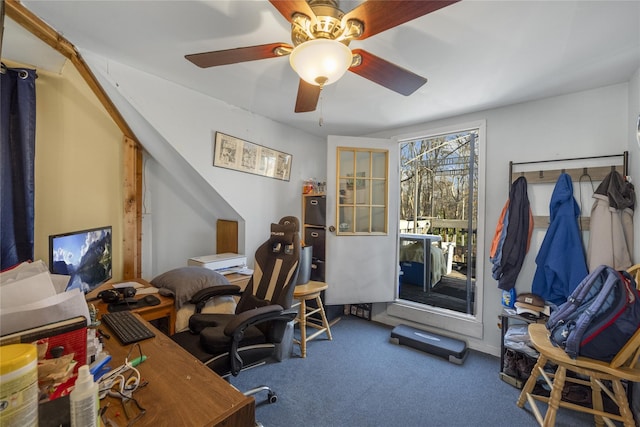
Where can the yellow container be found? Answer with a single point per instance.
(18, 385)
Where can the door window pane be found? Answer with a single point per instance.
(378, 192)
(346, 163)
(378, 219)
(378, 165)
(362, 193)
(362, 219)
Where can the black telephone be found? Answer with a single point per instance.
(114, 295)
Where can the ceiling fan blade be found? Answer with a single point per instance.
(387, 74)
(308, 96)
(379, 16)
(289, 7)
(233, 56)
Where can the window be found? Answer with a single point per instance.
(439, 204)
(362, 184)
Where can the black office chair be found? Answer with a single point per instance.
(229, 343)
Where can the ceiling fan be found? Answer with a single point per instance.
(319, 27)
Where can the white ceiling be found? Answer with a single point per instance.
(477, 54)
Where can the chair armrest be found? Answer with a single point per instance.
(251, 317)
(289, 314)
(201, 297)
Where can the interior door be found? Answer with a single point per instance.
(361, 268)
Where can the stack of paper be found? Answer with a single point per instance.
(28, 299)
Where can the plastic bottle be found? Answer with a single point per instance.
(84, 400)
(18, 385)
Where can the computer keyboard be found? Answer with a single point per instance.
(127, 327)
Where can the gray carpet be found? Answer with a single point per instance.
(361, 379)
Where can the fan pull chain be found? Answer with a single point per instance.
(321, 120)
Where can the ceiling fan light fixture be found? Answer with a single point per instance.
(321, 62)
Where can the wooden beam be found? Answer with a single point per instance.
(132, 224)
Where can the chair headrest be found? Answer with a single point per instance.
(290, 220)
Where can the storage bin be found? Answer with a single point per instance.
(315, 237)
(317, 270)
(315, 210)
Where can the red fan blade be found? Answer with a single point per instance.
(379, 16)
(289, 7)
(308, 96)
(233, 56)
(387, 74)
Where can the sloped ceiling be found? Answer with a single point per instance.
(476, 54)
(21, 46)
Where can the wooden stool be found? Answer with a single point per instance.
(303, 293)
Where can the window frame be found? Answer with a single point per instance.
(448, 320)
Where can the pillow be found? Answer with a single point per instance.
(217, 305)
(183, 282)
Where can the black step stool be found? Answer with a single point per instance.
(454, 350)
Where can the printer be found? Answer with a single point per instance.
(225, 263)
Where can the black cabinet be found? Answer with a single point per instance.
(314, 215)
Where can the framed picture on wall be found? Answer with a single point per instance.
(244, 156)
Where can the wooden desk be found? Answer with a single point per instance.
(181, 391)
(237, 279)
(166, 308)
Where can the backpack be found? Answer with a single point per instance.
(599, 317)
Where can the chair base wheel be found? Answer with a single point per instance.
(272, 397)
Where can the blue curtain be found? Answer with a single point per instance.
(18, 131)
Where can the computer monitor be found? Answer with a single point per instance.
(83, 255)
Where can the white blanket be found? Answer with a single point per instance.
(438, 264)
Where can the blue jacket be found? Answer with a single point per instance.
(561, 263)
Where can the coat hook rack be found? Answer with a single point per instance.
(593, 171)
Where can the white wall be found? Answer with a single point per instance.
(176, 225)
(163, 114)
(589, 123)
